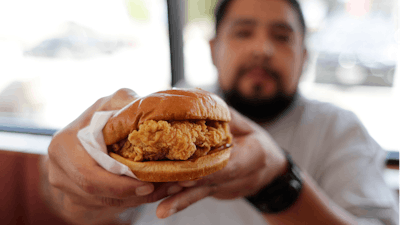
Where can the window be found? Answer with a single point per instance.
(353, 59)
(198, 30)
(59, 57)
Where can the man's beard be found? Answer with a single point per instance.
(259, 109)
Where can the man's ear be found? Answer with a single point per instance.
(213, 50)
(305, 59)
(305, 55)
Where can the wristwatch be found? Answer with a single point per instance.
(281, 193)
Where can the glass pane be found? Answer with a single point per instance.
(353, 52)
(352, 61)
(198, 30)
(59, 57)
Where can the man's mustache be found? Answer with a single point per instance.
(267, 69)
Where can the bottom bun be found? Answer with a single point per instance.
(169, 171)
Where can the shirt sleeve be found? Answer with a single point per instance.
(351, 172)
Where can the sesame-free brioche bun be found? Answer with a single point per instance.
(168, 171)
(170, 105)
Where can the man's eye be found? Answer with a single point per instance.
(243, 34)
(282, 38)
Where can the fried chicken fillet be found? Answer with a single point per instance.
(178, 140)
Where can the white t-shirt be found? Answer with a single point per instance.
(333, 147)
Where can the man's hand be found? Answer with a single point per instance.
(81, 191)
(255, 161)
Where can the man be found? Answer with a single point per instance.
(259, 53)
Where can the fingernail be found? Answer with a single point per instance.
(170, 212)
(189, 183)
(174, 189)
(144, 190)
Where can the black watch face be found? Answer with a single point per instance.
(280, 194)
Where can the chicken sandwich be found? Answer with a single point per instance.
(172, 135)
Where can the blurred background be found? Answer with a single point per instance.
(353, 46)
(58, 57)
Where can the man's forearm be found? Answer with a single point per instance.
(312, 207)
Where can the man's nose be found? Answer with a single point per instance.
(263, 47)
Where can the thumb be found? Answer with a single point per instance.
(239, 124)
(119, 99)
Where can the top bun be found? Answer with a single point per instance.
(174, 104)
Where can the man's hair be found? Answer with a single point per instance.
(223, 5)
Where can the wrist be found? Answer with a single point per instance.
(283, 168)
(282, 192)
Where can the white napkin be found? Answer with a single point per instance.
(92, 140)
